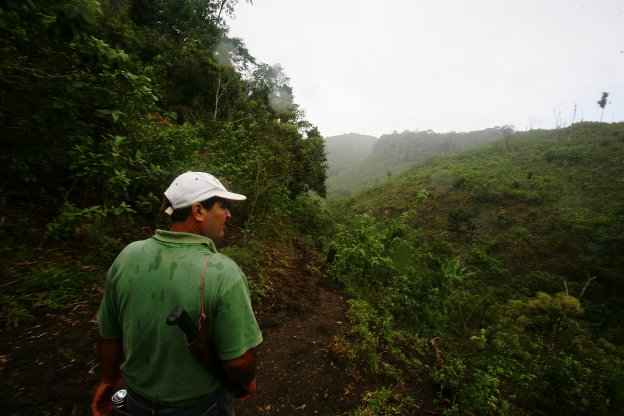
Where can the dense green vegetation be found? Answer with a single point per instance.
(350, 170)
(497, 271)
(103, 103)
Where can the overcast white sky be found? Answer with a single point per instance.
(375, 66)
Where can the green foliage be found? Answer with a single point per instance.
(460, 221)
(544, 343)
(251, 259)
(603, 103)
(78, 89)
(90, 225)
(14, 312)
(361, 256)
(45, 288)
(494, 271)
(386, 402)
(369, 329)
(124, 96)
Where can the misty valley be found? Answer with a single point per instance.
(418, 273)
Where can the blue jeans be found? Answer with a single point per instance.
(219, 403)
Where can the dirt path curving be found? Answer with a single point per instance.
(297, 374)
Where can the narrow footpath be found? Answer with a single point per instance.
(296, 369)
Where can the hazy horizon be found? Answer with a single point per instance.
(373, 68)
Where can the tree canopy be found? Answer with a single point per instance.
(103, 103)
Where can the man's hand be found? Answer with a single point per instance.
(101, 405)
(242, 371)
(111, 356)
(250, 390)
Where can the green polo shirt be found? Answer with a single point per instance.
(146, 282)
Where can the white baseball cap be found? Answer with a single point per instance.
(192, 187)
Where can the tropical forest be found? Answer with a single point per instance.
(419, 273)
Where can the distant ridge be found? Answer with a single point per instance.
(346, 151)
(350, 170)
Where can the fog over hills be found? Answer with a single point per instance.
(346, 151)
(356, 161)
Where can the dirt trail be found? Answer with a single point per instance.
(296, 369)
(49, 367)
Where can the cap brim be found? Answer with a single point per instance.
(230, 195)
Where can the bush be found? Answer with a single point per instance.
(46, 288)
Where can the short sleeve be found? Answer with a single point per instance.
(236, 328)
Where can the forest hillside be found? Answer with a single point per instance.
(498, 271)
(394, 153)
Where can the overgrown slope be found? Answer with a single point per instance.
(507, 260)
(549, 198)
(396, 152)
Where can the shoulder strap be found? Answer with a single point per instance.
(202, 316)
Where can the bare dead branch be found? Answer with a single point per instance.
(587, 283)
(221, 6)
(436, 352)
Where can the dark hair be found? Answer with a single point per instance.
(182, 214)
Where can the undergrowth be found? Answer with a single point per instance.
(48, 288)
(499, 264)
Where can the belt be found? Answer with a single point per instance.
(147, 402)
(153, 408)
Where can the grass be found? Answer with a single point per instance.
(385, 402)
(44, 288)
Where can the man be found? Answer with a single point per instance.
(147, 281)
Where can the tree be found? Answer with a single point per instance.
(603, 103)
(62, 89)
(508, 131)
(178, 17)
(102, 102)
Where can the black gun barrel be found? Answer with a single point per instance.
(182, 319)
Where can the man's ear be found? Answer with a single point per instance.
(197, 212)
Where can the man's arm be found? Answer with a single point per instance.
(242, 370)
(111, 380)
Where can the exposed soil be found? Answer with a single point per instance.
(50, 368)
(297, 372)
